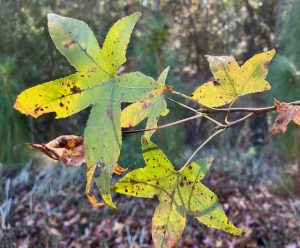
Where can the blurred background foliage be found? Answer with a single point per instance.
(176, 33)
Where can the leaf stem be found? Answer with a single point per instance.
(200, 147)
(183, 95)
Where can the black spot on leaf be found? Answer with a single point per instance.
(75, 90)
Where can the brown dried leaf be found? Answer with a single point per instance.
(287, 113)
(119, 170)
(69, 149)
(66, 148)
(89, 175)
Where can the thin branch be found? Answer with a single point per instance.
(251, 111)
(230, 124)
(196, 111)
(166, 125)
(254, 110)
(200, 147)
(208, 110)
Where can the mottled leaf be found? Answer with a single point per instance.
(95, 83)
(287, 113)
(116, 42)
(151, 108)
(179, 193)
(231, 80)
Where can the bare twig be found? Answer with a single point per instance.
(196, 111)
(201, 113)
(241, 110)
(166, 125)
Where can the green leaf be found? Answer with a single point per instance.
(151, 108)
(116, 42)
(103, 130)
(232, 81)
(179, 193)
(95, 83)
(76, 41)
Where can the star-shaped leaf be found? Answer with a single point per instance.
(151, 108)
(95, 83)
(179, 193)
(231, 80)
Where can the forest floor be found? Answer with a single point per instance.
(48, 208)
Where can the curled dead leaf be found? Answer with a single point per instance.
(119, 170)
(69, 149)
(287, 113)
(66, 148)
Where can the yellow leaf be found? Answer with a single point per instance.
(89, 175)
(231, 80)
(179, 193)
(152, 107)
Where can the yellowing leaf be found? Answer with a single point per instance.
(89, 175)
(231, 80)
(179, 194)
(150, 108)
(95, 83)
(116, 41)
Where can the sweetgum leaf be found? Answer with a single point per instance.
(151, 108)
(179, 193)
(116, 42)
(95, 83)
(287, 113)
(232, 81)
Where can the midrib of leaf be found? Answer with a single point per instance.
(126, 87)
(193, 187)
(206, 208)
(84, 50)
(94, 87)
(112, 110)
(230, 79)
(171, 205)
(82, 90)
(256, 69)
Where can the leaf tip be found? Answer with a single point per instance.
(273, 51)
(52, 17)
(137, 14)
